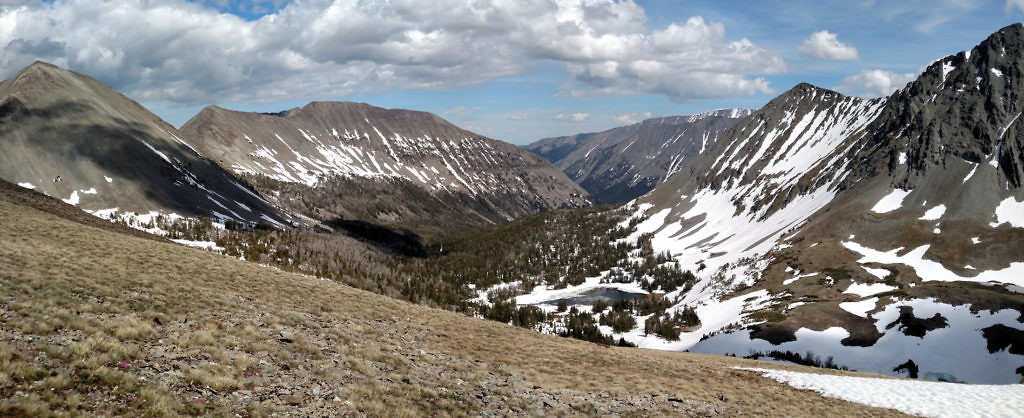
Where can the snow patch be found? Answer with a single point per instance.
(971, 174)
(879, 273)
(946, 69)
(714, 316)
(108, 179)
(891, 201)
(787, 282)
(1010, 211)
(934, 214)
(930, 399)
(859, 308)
(206, 245)
(29, 186)
(930, 270)
(162, 155)
(73, 199)
(868, 289)
(958, 349)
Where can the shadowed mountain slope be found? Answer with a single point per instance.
(70, 136)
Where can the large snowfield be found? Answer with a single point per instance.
(930, 399)
(958, 349)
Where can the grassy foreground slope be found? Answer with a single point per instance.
(93, 321)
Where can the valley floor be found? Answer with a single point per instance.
(96, 322)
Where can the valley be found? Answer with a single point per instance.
(822, 254)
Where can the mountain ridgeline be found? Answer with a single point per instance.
(874, 231)
(881, 234)
(621, 164)
(69, 136)
(352, 160)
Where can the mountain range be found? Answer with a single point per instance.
(623, 163)
(882, 235)
(353, 160)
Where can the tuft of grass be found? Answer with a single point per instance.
(130, 327)
(215, 376)
(767, 315)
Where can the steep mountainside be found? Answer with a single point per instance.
(333, 159)
(70, 136)
(621, 164)
(884, 235)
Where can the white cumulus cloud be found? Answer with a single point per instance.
(187, 53)
(629, 118)
(875, 83)
(825, 45)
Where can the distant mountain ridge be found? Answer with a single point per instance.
(349, 154)
(70, 136)
(623, 163)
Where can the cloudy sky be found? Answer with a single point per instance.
(515, 70)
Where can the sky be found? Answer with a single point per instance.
(513, 70)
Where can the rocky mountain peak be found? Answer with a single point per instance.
(964, 107)
(70, 136)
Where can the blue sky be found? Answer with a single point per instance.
(512, 70)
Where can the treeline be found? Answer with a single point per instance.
(807, 359)
(558, 248)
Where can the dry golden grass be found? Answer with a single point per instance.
(92, 299)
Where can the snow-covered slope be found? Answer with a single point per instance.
(870, 237)
(778, 167)
(69, 136)
(880, 233)
(329, 140)
(621, 164)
